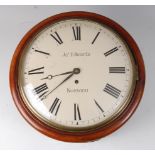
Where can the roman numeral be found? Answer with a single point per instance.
(77, 115)
(98, 106)
(57, 38)
(95, 37)
(41, 90)
(42, 52)
(116, 69)
(111, 90)
(55, 106)
(36, 71)
(77, 32)
(111, 51)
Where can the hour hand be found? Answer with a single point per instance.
(75, 71)
(49, 77)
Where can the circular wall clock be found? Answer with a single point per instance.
(77, 76)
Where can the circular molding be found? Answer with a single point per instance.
(86, 135)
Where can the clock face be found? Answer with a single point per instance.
(76, 74)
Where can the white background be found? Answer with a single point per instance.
(137, 133)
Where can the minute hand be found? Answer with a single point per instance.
(68, 77)
(75, 71)
(49, 77)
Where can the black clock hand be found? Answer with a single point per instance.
(49, 77)
(75, 71)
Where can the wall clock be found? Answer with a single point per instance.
(77, 76)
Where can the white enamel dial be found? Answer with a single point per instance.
(76, 74)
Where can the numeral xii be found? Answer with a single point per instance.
(77, 32)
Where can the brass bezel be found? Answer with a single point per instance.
(82, 129)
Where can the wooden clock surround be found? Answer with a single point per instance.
(85, 135)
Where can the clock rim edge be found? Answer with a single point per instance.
(80, 136)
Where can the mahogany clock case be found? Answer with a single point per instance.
(97, 132)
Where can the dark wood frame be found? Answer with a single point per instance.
(78, 136)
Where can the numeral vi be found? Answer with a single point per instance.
(77, 115)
